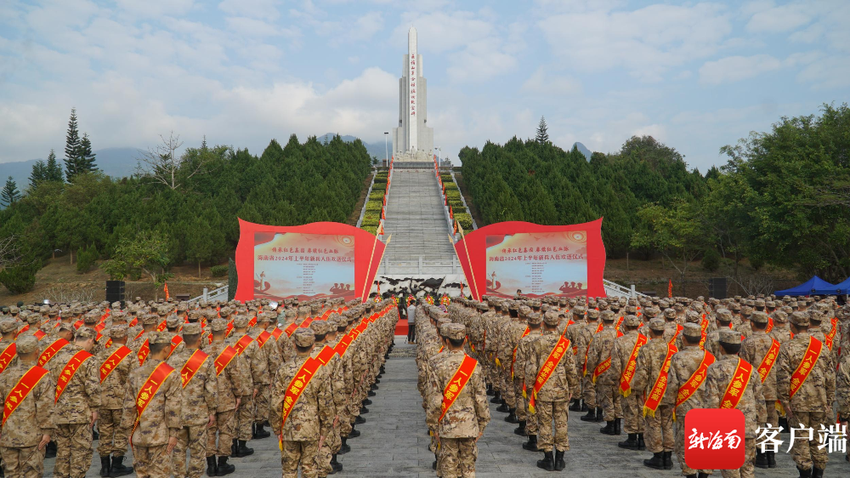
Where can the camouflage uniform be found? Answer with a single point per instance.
(524, 384)
(632, 406)
(586, 334)
(310, 419)
(333, 374)
(31, 420)
(752, 403)
(811, 405)
(468, 415)
(601, 349)
(753, 350)
(113, 437)
(200, 396)
(73, 411)
(230, 386)
(252, 366)
(659, 428)
(159, 422)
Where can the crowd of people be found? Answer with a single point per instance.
(638, 365)
(73, 373)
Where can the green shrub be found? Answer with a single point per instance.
(219, 271)
(450, 186)
(465, 221)
(447, 178)
(379, 180)
(370, 229)
(373, 205)
(86, 258)
(453, 194)
(376, 194)
(19, 279)
(711, 260)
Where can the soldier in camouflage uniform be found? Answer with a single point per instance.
(310, 421)
(524, 384)
(9, 329)
(607, 382)
(588, 390)
(659, 428)
(252, 366)
(76, 408)
(811, 405)
(723, 318)
(752, 404)
(326, 462)
(156, 430)
(780, 330)
(684, 365)
(753, 350)
(25, 433)
(632, 404)
(113, 437)
(553, 397)
(231, 386)
(573, 332)
(271, 361)
(200, 395)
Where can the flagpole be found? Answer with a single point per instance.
(369, 269)
(469, 261)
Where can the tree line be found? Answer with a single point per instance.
(177, 208)
(783, 197)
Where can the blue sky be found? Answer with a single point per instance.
(696, 75)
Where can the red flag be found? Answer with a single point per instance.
(461, 282)
(456, 233)
(451, 212)
(380, 231)
(383, 214)
(166, 291)
(379, 288)
(670, 288)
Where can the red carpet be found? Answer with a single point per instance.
(401, 327)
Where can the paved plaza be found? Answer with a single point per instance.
(394, 443)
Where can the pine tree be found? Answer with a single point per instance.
(542, 131)
(53, 171)
(86, 157)
(72, 146)
(10, 194)
(38, 173)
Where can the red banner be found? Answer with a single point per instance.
(539, 260)
(279, 262)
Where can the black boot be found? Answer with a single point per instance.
(211, 466)
(118, 468)
(618, 426)
(371, 394)
(771, 459)
(531, 444)
(374, 387)
(242, 449)
(631, 442)
(359, 420)
(548, 462)
(761, 460)
(233, 447)
(260, 432)
(367, 402)
(641, 443)
(223, 468)
(50, 450)
(783, 422)
(609, 428)
(559, 460)
(575, 406)
(703, 475)
(337, 466)
(364, 410)
(598, 414)
(668, 460)
(354, 433)
(805, 473)
(104, 465)
(497, 397)
(520, 430)
(345, 448)
(817, 472)
(94, 434)
(692, 475)
(490, 391)
(511, 418)
(590, 416)
(656, 462)
(504, 408)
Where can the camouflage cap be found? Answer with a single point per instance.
(692, 317)
(800, 319)
(453, 331)
(759, 318)
(14, 310)
(631, 321)
(578, 310)
(535, 318)
(33, 319)
(193, 328)
(320, 327)
(118, 331)
(607, 316)
(759, 303)
(780, 317)
(669, 313)
(657, 325)
(551, 318)
(692, 331)
(240, 321)
(8, 326)
(723, 315)
(730, 337)
(26, 345)
(159, 338)
(218, 325)
(84, 333)
(593, 314)
(524, 311)
(304, 337)
(173, 321)
(150, 319)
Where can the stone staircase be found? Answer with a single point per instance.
(417, 221)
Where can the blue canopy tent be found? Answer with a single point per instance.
(810, 287)
(842, 288)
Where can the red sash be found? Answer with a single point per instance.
(39, 334)
(549, 366)
(22, 389)
(768, 360)
(600, 369)
(298, 384)
(679, 329)
(291, 329)
(653, 400)
(687, 390)
(191, 367)
(148, 391)
(144, 351)
(513, 357)
(224, 359)
(162, 326)
(629, 372)
(252, 322)
(306, 323)
(769, 325)
(343, 344)
(457, 383)
(243, 343)
(51, 352)
(703, 328)
(276, 333)
(112, 361)
(325, 355)
(263, 337)
(69, 371)
(177, 340)
(806, 365)
(830, 337)
(23, 329)
(738, 385)
(8, 354)
(133, 322)
(587, 352)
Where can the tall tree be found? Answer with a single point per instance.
(542, 131)
(72, 145)
(86, 156)
(38, 173)
(163, 165)
(53, 170)
(10, 194)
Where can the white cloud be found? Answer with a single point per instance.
(827, 73)
(780, 19)
(545, 83)
(266, 9)
(736, 68)
(155, 8)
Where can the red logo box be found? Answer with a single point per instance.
(714, 439)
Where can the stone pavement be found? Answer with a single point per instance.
(394, 443)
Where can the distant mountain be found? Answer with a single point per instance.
(115, 162)
(377, 150)
(586, 152)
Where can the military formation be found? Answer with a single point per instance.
(186, 387)
(638, 365)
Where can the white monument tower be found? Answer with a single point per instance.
(413, 140)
